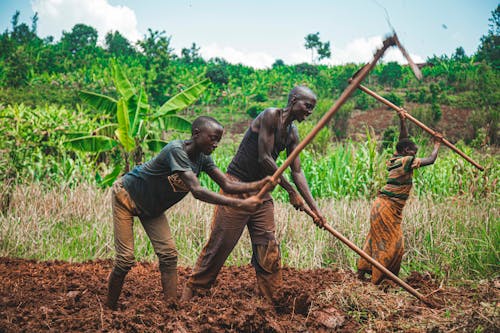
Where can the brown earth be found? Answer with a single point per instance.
(59, 296)
(454, 124)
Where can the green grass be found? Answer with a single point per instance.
(455, 238)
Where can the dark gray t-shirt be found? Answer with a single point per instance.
(156, 186)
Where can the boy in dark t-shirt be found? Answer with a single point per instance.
(150, 189)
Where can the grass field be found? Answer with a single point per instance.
(455, 238)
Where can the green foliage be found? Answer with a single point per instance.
(341, 118)
(322, 140)
(313, 43)
(117, 45)
(254, 110)
(131, 113)
(218, 74)
(391, 74)
(192, 55)
(394, 98)
(489, 49)
(390, 137)
(306, 69)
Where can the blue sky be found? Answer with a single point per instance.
(258, 32)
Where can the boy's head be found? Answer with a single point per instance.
(406, 147)
(206, 133)
(301, 101)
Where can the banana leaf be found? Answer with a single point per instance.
(107, 130)
(91, 143)
(123, 85)
(110, 178)
(138, 109)
(156, 145)
(174, 122)
(182, 99)
(99, 102)
(123, 130)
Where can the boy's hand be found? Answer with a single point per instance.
(401, 114)
(296, 200)
(251, 204)
(438, 138)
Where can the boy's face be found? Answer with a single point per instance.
(207, 138)
(304, 107)
(411, 150)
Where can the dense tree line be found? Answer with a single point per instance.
(35, 70)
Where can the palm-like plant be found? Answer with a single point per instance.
(132, 115)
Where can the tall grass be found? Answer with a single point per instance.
(457, 238)
(358, 170)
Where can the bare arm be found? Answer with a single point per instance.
(300, 181)
(432, 157)
(403, 130)
(203, 194)
(229, 186)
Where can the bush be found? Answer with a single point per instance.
(392, 97)
(341, 120)
(389, 137)
(254, 110)
(306, 69)
(218, 74)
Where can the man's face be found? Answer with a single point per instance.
(207, 138)
(304, 107)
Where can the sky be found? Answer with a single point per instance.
(257, 32)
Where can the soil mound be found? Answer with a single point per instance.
(59, 296)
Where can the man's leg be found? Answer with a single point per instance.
(163, 243)
(266, 257)
(227, 226)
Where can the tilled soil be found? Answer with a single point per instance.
(59, 296)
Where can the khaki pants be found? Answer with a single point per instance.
(157, 229)
(226, 229)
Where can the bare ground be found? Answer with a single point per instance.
(59, 296)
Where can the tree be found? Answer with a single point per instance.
(391, 74)
(313, 43)
(117, 45)
(81, 38)
(158, 53)
(191, 55)
(278, 63)
(489, 49)
(459, 55)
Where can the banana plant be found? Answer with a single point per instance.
(132, 115)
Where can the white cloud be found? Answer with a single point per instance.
(58, 15)
(232, 55)
(360, 50)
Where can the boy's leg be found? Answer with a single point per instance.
(226, 229)
(123, 219)
(158, 231)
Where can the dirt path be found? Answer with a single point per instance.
(63, 297)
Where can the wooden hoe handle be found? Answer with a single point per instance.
(353, 85)
(372, 261)
(420, 124)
